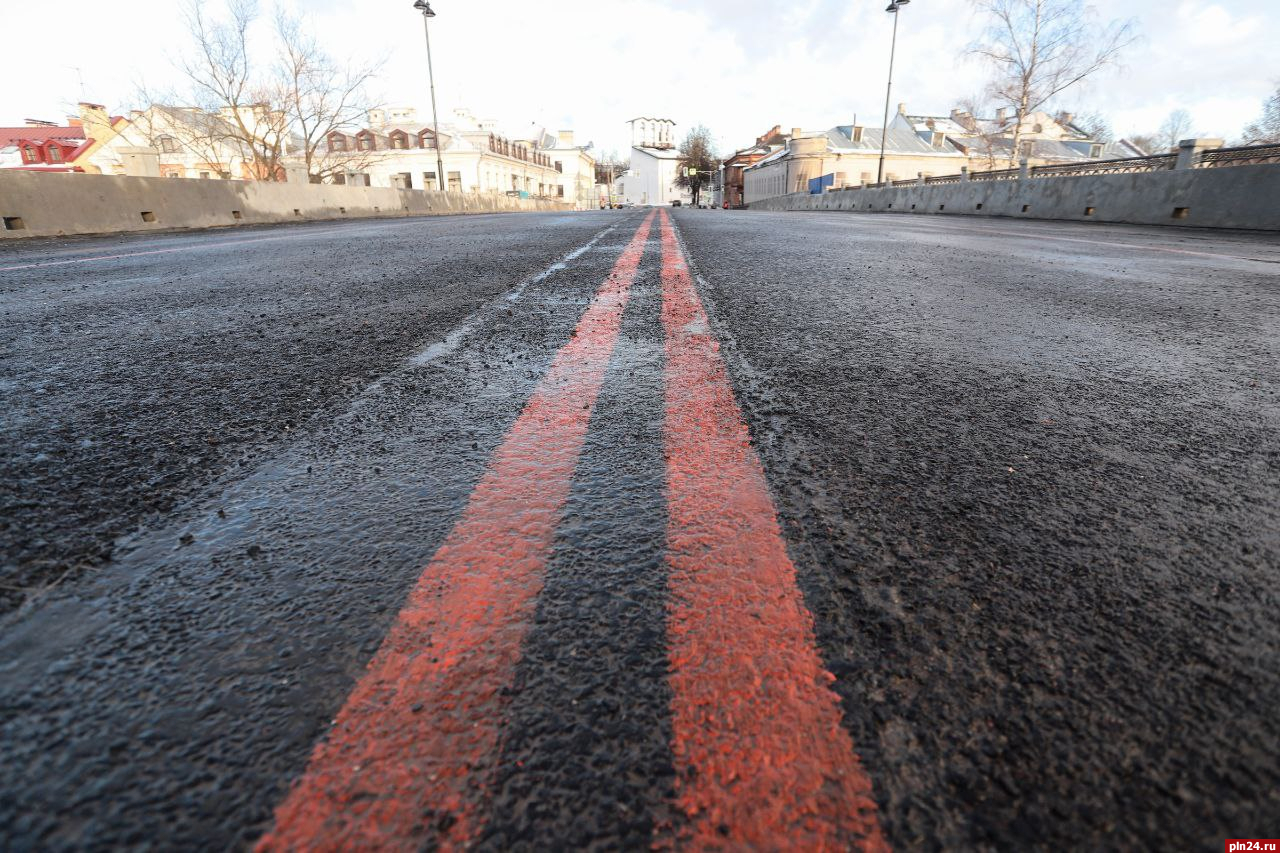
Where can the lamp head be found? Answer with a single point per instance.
(425, 8)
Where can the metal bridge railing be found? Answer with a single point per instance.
(997, 175)
(1212, 159)
(1128, 165)
(1249, 155)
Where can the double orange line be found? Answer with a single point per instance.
(761, 757)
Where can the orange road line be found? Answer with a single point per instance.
(410, 754)
(762, 761)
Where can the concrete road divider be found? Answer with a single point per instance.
(1246, 197)
(35, 204)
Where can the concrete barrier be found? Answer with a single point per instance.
(1231, 197)
(35, 204)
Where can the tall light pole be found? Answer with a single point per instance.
(427, 15)
(894, 6)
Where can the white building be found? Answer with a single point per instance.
(654, 160)
(577, 170)
(401, 152)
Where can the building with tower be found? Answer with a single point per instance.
(654, 159)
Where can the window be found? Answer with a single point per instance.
(560, 191)
(455, 182)
(399, 141)
(29, 154)
(426, 139)
(429, 181)
(55, 154)
(365, 141)
(168, 145)
(337, 142)
(204, 176)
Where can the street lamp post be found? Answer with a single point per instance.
(425, 7)
(894, 6)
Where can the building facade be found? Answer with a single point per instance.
(179, 142)
(651, 180)
(733, 192)
(847, 155)
(1043, 139)
(577, 169)
(402, 153)
(45, 146)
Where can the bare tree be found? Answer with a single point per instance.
(224, 83)
(609, 165)
(1266, 130)
(287, 108)
(988, 139)
(697, 161)
(318, 96)
(1040, 48)
(1146, 141)
(1176, 127)
(1096, 125)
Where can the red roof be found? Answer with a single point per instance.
(11, 135)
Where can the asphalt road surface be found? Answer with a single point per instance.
(705, 529)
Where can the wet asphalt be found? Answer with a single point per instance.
(1029, 474)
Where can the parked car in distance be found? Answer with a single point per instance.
(676, 203)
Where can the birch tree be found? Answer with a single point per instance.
(1038, 49)
(1266, 130)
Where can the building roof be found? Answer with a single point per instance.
(659, 153)
(897, 141)
(39, 133)
(937, 124)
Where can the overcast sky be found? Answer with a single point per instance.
(737, 66)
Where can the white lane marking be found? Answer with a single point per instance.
(134, 254)
(450, 343)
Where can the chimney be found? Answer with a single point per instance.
(902, 109)
(566, 138)
(796, 132)
(1067, 117)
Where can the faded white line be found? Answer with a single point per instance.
(325, 228)
(451, 341)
